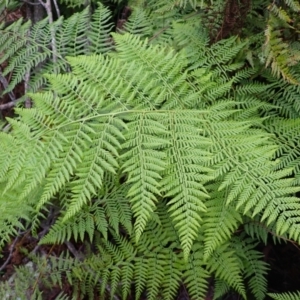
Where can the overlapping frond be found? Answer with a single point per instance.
(255, 269)
(287, 137)
(219, 222)
(139, 23)
(30, 50)
(227, 267)
(279, 53)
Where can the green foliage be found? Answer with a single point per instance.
(166, 154)
(29, 49)
(281, 54)
(285, 296)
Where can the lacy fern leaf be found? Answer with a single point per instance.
(165, 153)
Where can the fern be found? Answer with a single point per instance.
(277, 51)
(220, 222)
(285, 296)
(254, 267)
(166, 153)
(26, 47)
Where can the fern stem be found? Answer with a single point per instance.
(11, 250)
(47, 6)
(26, 84)
(56, 8)
(11, 95)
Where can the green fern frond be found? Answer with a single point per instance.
(192, 39)
(219, 222)
(42, 152)
(13, 175)
(221, 288)
(99, 158)
(294, 5)
(154, 153)
(26, 47)
(86, 222)
(156, 267)
(256, 229)
(98, 37)
(172, 278)
(7, 142)
(280, 13)
(161, 63)
(66, 164)
(139, 23)
(166, 6)
(225, 50)
(285, 296)
(277, 51)
(227, 267)
(287, 137)
(255, 269)
(19, 44)
(195, 276)
(117, 208)
(141, 277)
(13, 221)
(187, 191)
(92, 218)
(145, 138)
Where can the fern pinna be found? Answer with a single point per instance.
(162, 154)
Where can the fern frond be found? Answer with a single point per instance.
(86, 222)
(75, 141)
(19, 157)
(163, 7)
(42, 152)
(26, 47)
(277, 51)
(139, 23)
(226, 267)
(195, 275)
(294, 5)
(13, 220)
(145, 138)
(280, 13)
(256, 229)
(255, 269)
(156, 267)
(99, 158)
(285, 296)
(160, 66)
(117, 208)
(141, 275)
(98, 37)
(219, 222)
(183, 162)
(192, 39)
(172, 277)
(287, 137)
(154, 155)
(225, 50)
(221, 288)
(7, 142)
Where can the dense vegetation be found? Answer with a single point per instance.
(149, 149)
